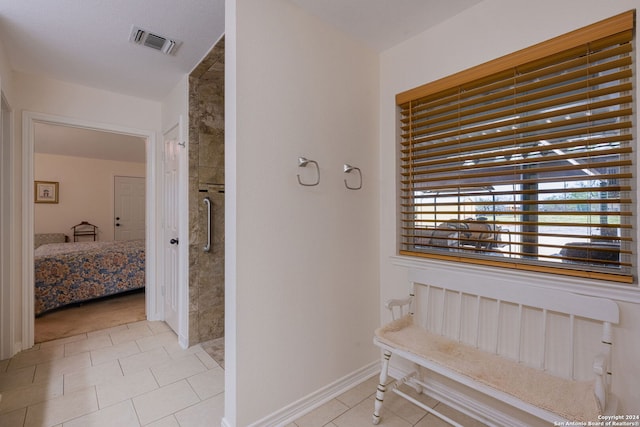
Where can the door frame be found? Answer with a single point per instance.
(153, 307)
(8, 289)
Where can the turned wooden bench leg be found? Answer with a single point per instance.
(382, 388)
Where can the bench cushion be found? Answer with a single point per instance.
(572, 400)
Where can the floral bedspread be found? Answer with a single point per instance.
(66, 273)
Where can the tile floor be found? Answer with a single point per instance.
(137, 375)
(127, 376)
(354, 408)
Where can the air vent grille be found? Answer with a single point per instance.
(154, 41)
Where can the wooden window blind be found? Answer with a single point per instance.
(526, 161)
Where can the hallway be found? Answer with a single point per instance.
(136, 375)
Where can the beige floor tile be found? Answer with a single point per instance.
(176, 370)
(208, 384)
(13, 418)
(141, 361)
(157, 340)
(125, 387)
(174, 349)
(360, 392)
(158, 327)
(206, 358)
(204, 414)
(62, 341)
(121, 415)
(91, 376)
(17, 378)
(162, 402)
(139, 324)
(107, 331)
(405, 409)
(92, 343)
(35, 347)
(29, 395)
(169, 421)
(119, 351)
(431, 420)
(34, 357)
(362, 414)
(130, 334)
(61, 409)
(323, 414)
(46, 371)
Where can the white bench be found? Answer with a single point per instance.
(523, 345)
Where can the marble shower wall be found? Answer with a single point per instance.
(206, 179)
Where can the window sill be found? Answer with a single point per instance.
(596, 288)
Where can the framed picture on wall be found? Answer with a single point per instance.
(46, 192)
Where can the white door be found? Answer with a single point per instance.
(129, 208)
(170, 229)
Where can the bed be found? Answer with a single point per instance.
(68, 273)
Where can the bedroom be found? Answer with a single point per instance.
(86, 176)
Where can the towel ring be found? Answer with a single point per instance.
(348, 169)
(302, 163)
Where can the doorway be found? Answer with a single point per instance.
(29, 124)
(85, 165)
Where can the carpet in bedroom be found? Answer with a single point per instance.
(90, 316)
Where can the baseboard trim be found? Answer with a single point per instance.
(307, 404)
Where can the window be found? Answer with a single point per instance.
(526, 161)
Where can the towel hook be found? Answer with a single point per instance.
(348, 169)
(303, 162)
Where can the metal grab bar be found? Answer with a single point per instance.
(207, 201)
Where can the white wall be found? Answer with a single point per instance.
(489, 30)
(48, 96)
(86, 192)
(6, 74)
(302, 276)
(176, 104)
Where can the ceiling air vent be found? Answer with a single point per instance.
(154, 41)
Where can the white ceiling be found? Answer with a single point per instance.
(76, 142)
(86, 42)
